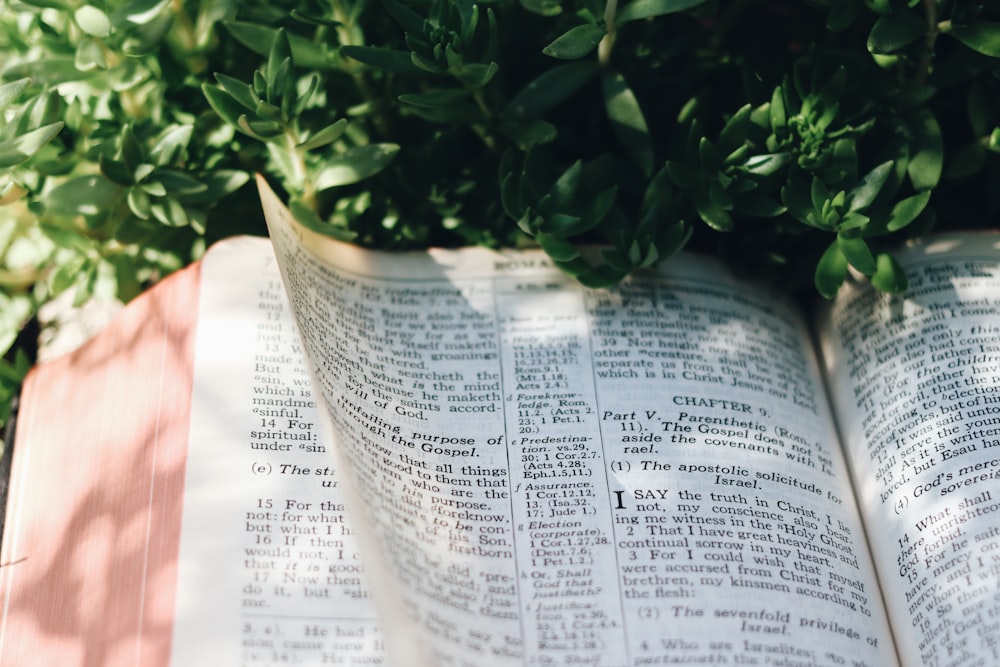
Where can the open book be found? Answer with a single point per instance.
(465, 458)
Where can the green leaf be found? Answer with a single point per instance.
(602, 205)
(842, 15)
(227, 107)
(977, 108)
(71, 239)
(529, 133)
(564, 190)
(717, 218)
(830, 271)
(795, 197)
(509, 196)
(259, 129)
(399, 62)
(717, 193)
(776, 109)
(564, 224)
(85, 287)
(139, 12)
(49, 69)
(853, 220)
(218, 183)
(169, 150)
(142, 40)
(258, 39)
(10, 91)
(67, 275)
(178, 183)
(170, 212)
(93, 21)
(116, 171)
(758, 206)
(927, 162)
(533, 182)
(304, 96)
(326, 136)
(819, 194)
(637, 10)
(462, 110)
(21, 148)
(981, 36)
(627, 120)
(308, 218)
(767, 164)
(131, 150)
(474, 75)
(238, 90)
(597, 277)
(12, 372)
(966, 161)
(139, 203)
(865, 192)
(135, 229)
(907, 210)
(889, 276)
(445, 98)
(734, 132)
(557, 248)
(153, 188)
(142, 171)
(659, 193)
(411, 21)
(685, 175)
(616, 258)
(543, 7)
(83, 195)
(279, 63)
(549, 89)
(267, 111)
(355, 165)
(709, 155)
(90, 56)
(737, 157)
(857, 253)
(892, 32)
(576, 43)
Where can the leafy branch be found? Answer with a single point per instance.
(800, 140)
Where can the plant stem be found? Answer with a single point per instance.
(182, 39)
(299, 165)
(348, 34)
(608, 41)
(483, 132)
(933, 30)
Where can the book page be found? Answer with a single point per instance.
(641, 475)
(917, 380)
(269, 572)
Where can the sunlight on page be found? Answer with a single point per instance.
(941, 246)
(919, 382)
(553, 474)
(269, 570)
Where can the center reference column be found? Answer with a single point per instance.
(568, 584)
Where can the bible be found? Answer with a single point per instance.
(298, 451)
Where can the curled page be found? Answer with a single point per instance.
(916, 381)
(547, 474)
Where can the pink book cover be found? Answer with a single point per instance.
(89, 559)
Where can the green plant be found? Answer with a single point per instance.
(794, 138)
(108, 170)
